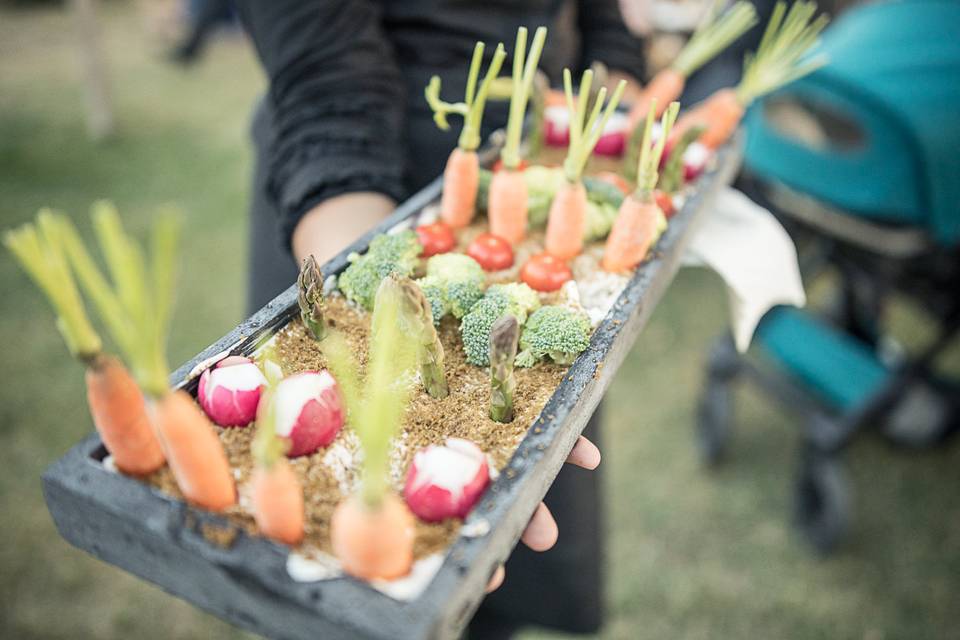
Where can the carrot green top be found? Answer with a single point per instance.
(713, 35)
(376, 410)
(524, 70)
(41, 256)
(474, 101)
(650, 154)
(585, 130)
(783, 54)
(137, 305)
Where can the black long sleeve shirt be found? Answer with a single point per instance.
(347, 76)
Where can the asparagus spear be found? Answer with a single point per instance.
(504, 336)
(418, 317)
(310, 298)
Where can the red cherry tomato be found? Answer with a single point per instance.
(615, 179)
(543, 272)
(665, 202)
(435, 238)
(492, 252)
(499, 165)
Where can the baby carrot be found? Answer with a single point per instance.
(507, 207)
(781, 58)
(639, 218)
(276, 493)
(115, 401)
(714, 34)
(568, 212)
(461, 177)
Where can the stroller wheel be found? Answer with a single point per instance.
(821, 502)
(714, 418)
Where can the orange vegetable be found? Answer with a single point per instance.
(277, 500)
(194, 452)
(507, 208)
(373, 542)
(120, 415)
(632, 234)
(567, 222)
(664, 88)
(461, 179)
(720, 114)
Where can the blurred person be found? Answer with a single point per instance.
(205, 17)
(344, 134)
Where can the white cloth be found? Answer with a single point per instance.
(753, 254)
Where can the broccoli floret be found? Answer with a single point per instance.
(395, 253)
(600, 217)
(455, 282)
(517, 299)
(559, 332)
(542, 184)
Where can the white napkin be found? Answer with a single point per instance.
(753, 254)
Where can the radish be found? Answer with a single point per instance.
(229, 391)
(446, 481)
(309, 411)
(695, 160)
(612, 143)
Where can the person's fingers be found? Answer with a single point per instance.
(541, 532)
(496, 579)
(584, 454)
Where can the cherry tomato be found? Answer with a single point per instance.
(436, 238)
(499, 165)
(492, 252)
(543, 272)
(615, 179)
(665, 202)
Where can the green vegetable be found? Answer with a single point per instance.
(524, 70)
(472, 107)
(375, 410)
(460, 279)
(310, 298)
(650, 155)
(542, 183)
(713, 35)
(417, 321)
(586, 127)
(504, 337)
(783, 54)
(41, 255)
(516, 299)
(388, 253)
(435, 294)
(600, 217)
(561, 333)
(672, 177)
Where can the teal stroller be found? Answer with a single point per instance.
(861, 162)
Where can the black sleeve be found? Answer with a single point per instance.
(337, 100)
(606, 39)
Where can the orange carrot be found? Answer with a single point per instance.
(633, 232)
(461, 177)
(507, 204)
(120, 415)
(567, 222)
(115, 402)
(639, 219)
(782, 57)
(714, 34)
(277, 499)
(194, 451)
(507, 207)
(664, 88)
(276, 493)
(373, 542)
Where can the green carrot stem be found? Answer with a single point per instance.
(524, 69)
(650, 154)
(713, 35)
(440, 108)
(342, 362)
(783, 53)
(268, 447)
(96, 287)
(671, 178)
(585, 131)
(41, 256)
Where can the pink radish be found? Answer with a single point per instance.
(308, 411)
(556, 126)
(695, 160)
(613, 142)
(229, 391)
(446, 481)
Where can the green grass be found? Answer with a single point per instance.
(692, 554)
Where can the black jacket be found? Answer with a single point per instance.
(347, 76)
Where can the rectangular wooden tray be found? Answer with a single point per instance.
(129, 524)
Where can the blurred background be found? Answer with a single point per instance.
(696, 551)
